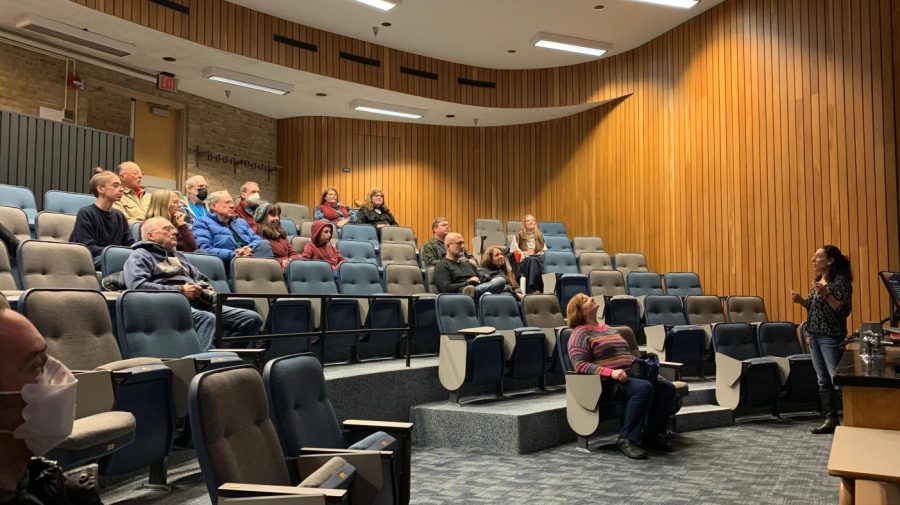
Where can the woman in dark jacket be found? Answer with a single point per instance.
(374, 211)
(828, 305)
(267, 219)
(493, 265)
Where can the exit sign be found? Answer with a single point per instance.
(167, 82)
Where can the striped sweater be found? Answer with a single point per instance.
(598, 350)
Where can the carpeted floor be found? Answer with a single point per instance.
(750, 463)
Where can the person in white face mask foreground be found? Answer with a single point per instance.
(37, 412)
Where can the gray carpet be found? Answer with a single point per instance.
(750, 463)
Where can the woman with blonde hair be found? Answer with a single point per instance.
(330, 209)
(493, 266)
(167, 205)
(375, 212)
(527, 249)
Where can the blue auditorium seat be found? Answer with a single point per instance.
(64, 202)
(19, 197)
(759, 383)
(363, 279)
(683, 284)
(358, 251)
(643, 284)
(683, 343)
(361, 233)
(553, 228)
(779, 339)
(528, 358)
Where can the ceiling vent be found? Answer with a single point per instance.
(78, 36)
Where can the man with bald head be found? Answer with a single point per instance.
(454, 276)
(135, 200)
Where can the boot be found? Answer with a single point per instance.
(830, 400)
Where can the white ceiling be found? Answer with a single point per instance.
(151, 46)
(479, 32)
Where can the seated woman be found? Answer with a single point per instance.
(331, 210)
(267, 224)
(167, 205)
(374, 211)
(528, 249)
(493, 266)
(598, 349)
(320, 247)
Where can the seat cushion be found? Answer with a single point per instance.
(378, 441)
(98, 429)
(681, 388)
(334, 474)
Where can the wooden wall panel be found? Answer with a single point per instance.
(754, 133)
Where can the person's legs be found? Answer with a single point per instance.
(638, 397)
(495, 285)
(533, 268)
(205, 326)
(663, 406)
(263, 249)
(818, 360)
(240, 322)
(826, 354)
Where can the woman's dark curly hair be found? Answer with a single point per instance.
(840, 264)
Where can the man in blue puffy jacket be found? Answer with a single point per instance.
(221, 233)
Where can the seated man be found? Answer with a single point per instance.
(194, 203)
(224, 234)
(249, 200)
(433, 250)
(135, 200)
(99, 225)
(451, 275)
(155, 264)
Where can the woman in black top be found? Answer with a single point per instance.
(828, 305)
(374, 211)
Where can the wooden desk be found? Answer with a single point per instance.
(869, 456)
(871, 391)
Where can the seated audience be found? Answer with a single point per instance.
(156, 264)
(267, 218)
(166, 204)
(222, 233)
(331, 210)
(434, 250)
(598, 349)
(134, 200)
(249, 199)
(528, 249)
(374, 211)
(452, 275)
(194, 204)
(493, 266)
(99, 225)
(320, 247)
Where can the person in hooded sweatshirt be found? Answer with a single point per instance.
(320, 248)
(155, 264)
(267, 221)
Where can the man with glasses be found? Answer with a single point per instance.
(454, 276)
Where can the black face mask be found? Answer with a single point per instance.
(202, 193)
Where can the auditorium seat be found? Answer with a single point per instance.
(558, 243)
(560, 262)
(543, 311)
(569, 285)
(16, 221)
(683, 284)
(299, 214)
(398, 253)
(779, 340)
(56, 265)
(625, 311)
(358, 251)
(587, 245)
(303, 417)
(525, 348)
(590, 261)
(643, 284)
(607, 283)
(112, 259)
(213, 269)
(746, 309)
(488, 226)
(513, 227)
(429, 280)
(399, 234)
(19, 197)
(409, 280)
(65, 202)
(743, 376)
(290, 227)
(480, 243)
(306, 229)
(552, 228)
(361, 233)
(363, 279)
(299, 242)
(630, 262)
(669, 335)
(237, 443)
(8, 281)
(470, 354)
(79, 333)
(53, 227)
(704, 309)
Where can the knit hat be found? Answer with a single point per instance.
(259, 215)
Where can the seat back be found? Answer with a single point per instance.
(643, 283)
(55, 265)
(456, 312)
(156, 324)
(398, 253)
(360, 233)
(704, 309)
(294, 212)
(306, 229)
(357, 251)
(631, 262)
(587, 244)
(778, 339)
(560, 262)
(53, 227)
(113, 258)
(683, 284)
(290, 227)
(429, 280)
(480, 243)
(359, 279)
(562, 349)
(16, 221)
(7, 280)
(65, 202)
(543, 311)
(299, 242)
(513, 227)
(606, 283)
(258, 275)
(19, 197)
(211, 267)
(500, 311)
(746, 309)
(404, 279)
(398, 234)
(666, 310)
(624, 312)
(311, 277)
(75, 324)
(735, 340)
(488, 226)
(590, 261)
(558, 243)
(553, 228)
(231, 430)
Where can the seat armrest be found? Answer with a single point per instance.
(361, 424)
(309, 451)
(94, 393)
(241, 489)
(480, 330)
(671, 364)
(670, 370)
(256, 356)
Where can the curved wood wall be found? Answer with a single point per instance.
(755, 133)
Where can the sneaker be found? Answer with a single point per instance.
(631, 449)
(656, 443)
(469, 290)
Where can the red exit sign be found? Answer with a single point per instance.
(167, 82)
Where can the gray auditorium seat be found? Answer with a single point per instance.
(53, 227)
(297, 213)
(399, 234)
(16, 221)
(587, 245)
(409, 280)
(607, 283)
(486, 226)
(56, 265)
(589, 261)
(299, 242)
(746, 309)
(7, 280)
(631, 262)
(398, 253)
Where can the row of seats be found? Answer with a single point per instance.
(484, 227)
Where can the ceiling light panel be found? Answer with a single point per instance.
(247, 80)
(75, 35)
(681, 4)
(384, 5)
(387, 109)
(570, 44)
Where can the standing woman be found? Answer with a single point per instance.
(528, 250)
(374, 211)
(828, 305)
(167, 205)
(331, 210)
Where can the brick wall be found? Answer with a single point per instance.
(30, 79)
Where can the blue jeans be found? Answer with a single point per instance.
(647, 407)
(263, 249)
(826, 354)
(495, 286)
(235, 322)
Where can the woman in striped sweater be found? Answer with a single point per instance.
(600, 350)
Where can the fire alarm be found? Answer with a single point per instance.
(74, 82)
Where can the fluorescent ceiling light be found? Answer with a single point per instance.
(247, 80)
(384, 5)
(570, 44)
(682, 4)
(75, 35)
(387, 109)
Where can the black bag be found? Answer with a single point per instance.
(646, 368)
